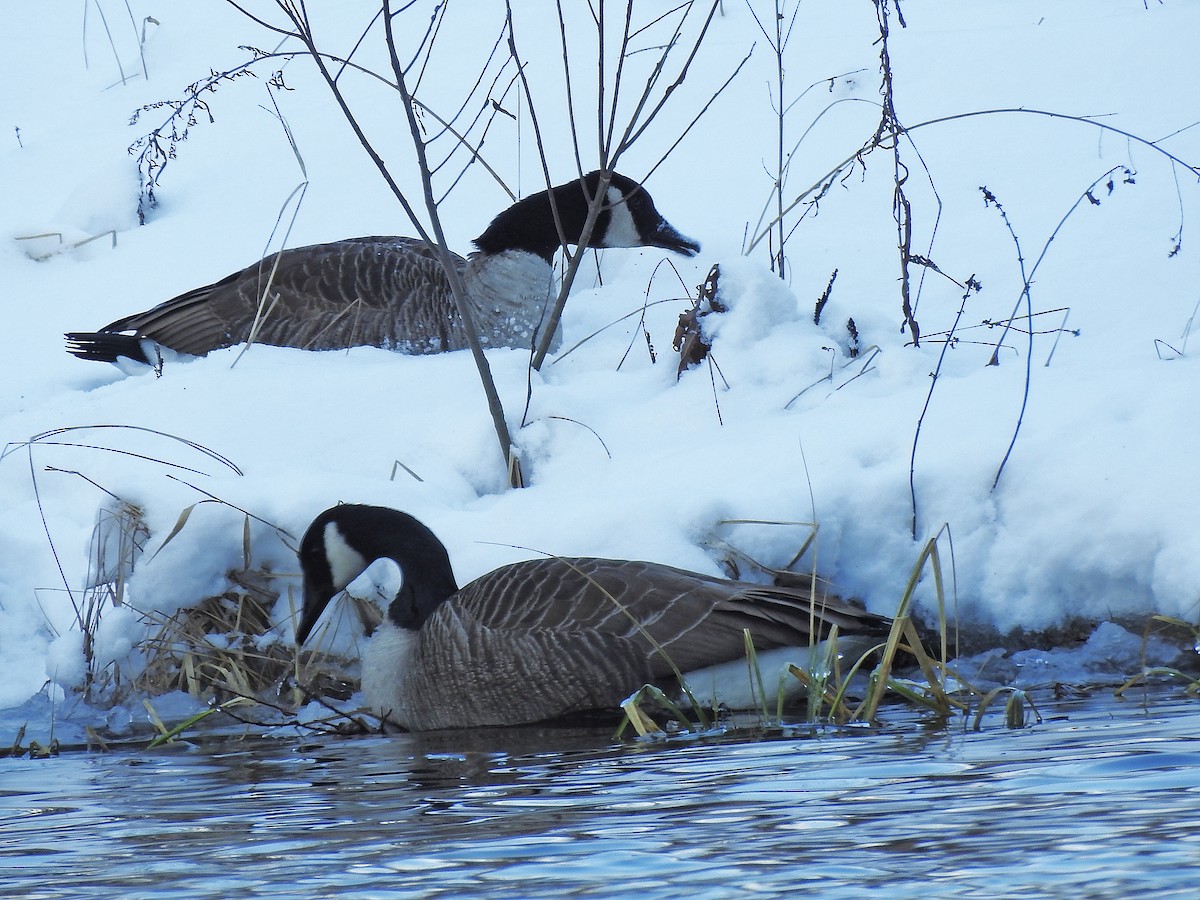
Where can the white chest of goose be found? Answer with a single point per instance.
(392, 291)
(545, 638)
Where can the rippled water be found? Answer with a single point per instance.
(1101, 799)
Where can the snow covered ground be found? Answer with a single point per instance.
(1095, 515)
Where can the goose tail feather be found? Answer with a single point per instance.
(106, 346)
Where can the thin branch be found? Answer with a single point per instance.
(607, 133)
(1027, 281)
(595, 204)
(258, 20)
(631, 135)
(971, 286)
(456, 284)
(870, 145)
(298, 15)
(562, 36)
(695, 119)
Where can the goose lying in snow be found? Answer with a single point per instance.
(545, 638)
(392, 291)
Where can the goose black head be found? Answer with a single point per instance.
(627, 218)
(343, 540)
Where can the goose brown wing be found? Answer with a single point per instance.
(648, 612)
(374, 291)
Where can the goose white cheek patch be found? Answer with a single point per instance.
(622, 231)
(345, 563)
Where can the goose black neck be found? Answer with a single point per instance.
(428, 579)
(529, 224)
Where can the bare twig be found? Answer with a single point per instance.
(1026, 288)
(433, 235)
(847, 164)
(614, 139)
(971, 286)
(890, 131)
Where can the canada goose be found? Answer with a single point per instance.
(545, 638)
(392, 291)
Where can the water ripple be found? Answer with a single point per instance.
(1101, 800)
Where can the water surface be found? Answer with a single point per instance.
(1102, 799)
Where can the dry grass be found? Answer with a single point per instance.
(227, 647)
(226, 650)
(213, 650)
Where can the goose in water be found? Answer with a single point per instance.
(392, 291)
(546, 638)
